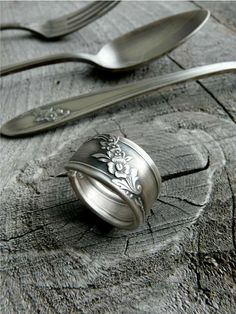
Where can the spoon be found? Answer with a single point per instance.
(132, 49)
(57, 113)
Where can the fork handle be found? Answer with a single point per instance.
(6, 26)
(38, 62)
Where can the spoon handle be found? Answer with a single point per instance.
(51, 59)
(57, 113)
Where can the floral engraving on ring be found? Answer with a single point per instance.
(126, 177)
(51, 114)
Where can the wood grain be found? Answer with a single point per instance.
(56, 256)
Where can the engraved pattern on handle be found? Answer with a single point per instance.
(51, 114)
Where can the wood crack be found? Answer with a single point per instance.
(196, 262)
(205, 291)
(57, 205)
(233, 211)
(177, 207)
(29, 185)
(208, 263)
(126, 246)
(184, 200)
(84, 233)
(207, 91)
(59, 175)
(217, 101)
(176, 223)
(150, 230)
(120, 128)
(186, 172)
(214, 17)
(233, 226)
(21, 235)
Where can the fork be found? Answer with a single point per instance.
(66, 24)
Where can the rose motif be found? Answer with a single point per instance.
(125, 176)
(118, 167)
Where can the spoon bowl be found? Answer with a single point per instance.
(132, 49)
(151, 41)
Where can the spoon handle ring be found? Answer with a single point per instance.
(116, 179)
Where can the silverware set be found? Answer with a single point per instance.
(153, 40)
(127, 52)
(114, 176)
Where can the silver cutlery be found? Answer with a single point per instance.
(66, 24)
(59, 112)
(132, 49)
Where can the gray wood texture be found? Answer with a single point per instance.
(56, 256)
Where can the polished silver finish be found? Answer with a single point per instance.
(116, 178)
(57, 113)
(133, 49)
(66, 24)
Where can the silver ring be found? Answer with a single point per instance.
(116, 178)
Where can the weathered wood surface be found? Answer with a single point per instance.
(56, 257)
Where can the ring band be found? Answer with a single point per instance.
(116, 178)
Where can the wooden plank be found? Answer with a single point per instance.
(57, 257)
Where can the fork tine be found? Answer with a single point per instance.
(83, 22)
(91, 8)
(63, 25)
(85, 17)
(62, 28)
(78, 13)
(92, 13)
